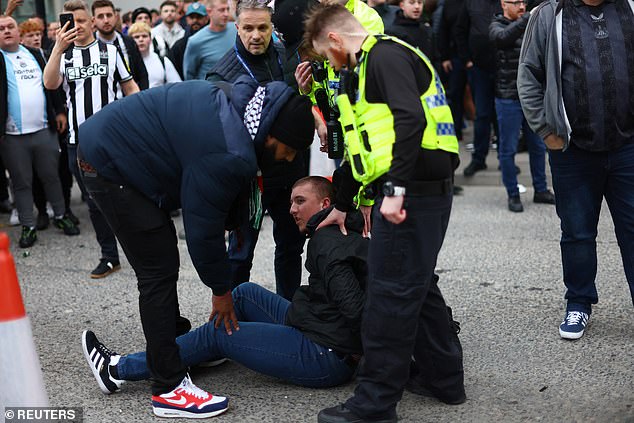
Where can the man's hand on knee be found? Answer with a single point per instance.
(222, 310)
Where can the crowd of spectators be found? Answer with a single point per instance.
(186, 39)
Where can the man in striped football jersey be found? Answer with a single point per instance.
(89, 71)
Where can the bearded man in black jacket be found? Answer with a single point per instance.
(506, 33)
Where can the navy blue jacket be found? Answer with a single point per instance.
(185, 145)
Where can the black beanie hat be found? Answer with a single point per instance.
(138, 11)
(289, 19)
(294, 124)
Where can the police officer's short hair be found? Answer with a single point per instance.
(324, 16)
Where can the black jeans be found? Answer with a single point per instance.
(405, 313)
(105, 236)
(4, 182)
(148, 238)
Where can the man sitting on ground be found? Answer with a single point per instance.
(320, 328)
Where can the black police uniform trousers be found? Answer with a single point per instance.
(148, 238)
(405, 314)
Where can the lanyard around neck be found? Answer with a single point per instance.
(246, 66)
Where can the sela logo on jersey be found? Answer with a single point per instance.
(83, 72)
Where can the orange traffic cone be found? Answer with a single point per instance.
(21, 383)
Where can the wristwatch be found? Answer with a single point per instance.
(390, 190)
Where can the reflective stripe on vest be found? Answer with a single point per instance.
(374, 122)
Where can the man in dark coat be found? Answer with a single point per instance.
(409, 25)
(476, 51)
(188, 146)
(196, 18)
(259, 55)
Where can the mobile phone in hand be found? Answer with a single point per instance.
(67, 17)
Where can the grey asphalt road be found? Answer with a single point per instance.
(499, 271)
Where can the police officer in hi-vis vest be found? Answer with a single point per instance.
(401, 149)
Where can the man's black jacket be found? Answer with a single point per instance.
(328, 310)
(177, 53)
(54, 101)
(137, 67)
(447, 33)
(507, 37)
(472, 32)
(417, 33)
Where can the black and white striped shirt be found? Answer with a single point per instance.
(118, 41)
(91, 74)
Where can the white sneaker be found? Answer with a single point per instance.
(189, 401)
(14, 220)
(49, 211)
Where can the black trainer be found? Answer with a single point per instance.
(515, 204)
(65, 224)
(544, 197)
(28, 237)
(105, 268)
(100, 359)
(42, 221)
(69, 214)
(341, 414)
(474, 167)
(416, 386)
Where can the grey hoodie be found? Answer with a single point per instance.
(539, 72)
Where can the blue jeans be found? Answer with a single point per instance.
(510, 120)
(263, 343)
(482, 84)
(581, 180)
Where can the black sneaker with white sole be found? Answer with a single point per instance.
(100, 359)
(104, 268)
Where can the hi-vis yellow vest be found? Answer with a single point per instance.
(369, 127)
